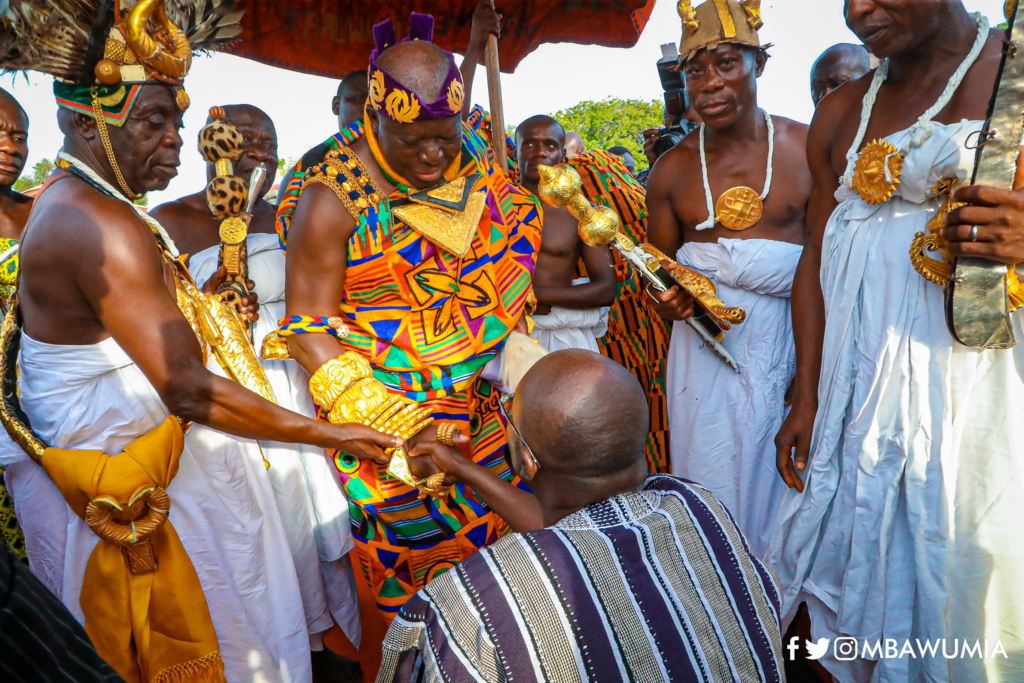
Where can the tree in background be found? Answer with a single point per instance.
(613, 122)
(40, 172)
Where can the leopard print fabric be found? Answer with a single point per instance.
(226, 195)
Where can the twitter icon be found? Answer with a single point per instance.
(817, 650)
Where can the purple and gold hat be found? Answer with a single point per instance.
(390, 98)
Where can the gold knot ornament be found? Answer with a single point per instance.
(561, 186)
(739, 208)
(877, 173)
(131, 525)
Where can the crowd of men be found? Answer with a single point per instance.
(603, 492)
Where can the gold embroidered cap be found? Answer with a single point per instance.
(716, 22)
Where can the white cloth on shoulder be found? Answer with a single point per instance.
(909, 527)
(571, 328)
(307, 489)
(723, 423)
(94, 397)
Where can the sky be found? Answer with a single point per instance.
(556, 76)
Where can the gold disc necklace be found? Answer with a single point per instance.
(875, 172)
(740, 207)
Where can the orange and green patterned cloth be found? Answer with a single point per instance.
(10, 532)
(429, 344)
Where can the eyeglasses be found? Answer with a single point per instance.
(505, 403)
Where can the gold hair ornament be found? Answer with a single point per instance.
(150, 51)
(752, 8)
(688, 15)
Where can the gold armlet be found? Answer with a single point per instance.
(332, 378)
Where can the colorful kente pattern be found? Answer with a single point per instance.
(637, 338)
(9, 529)
(428, 321)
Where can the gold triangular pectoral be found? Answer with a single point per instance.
(449, 192)
(449, 230)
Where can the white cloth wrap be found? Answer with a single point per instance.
(910, 524)
(94, 397)
(571, 328)
(308, 493)
(723, 423)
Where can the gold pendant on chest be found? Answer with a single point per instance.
(739, 208)
(877, 173)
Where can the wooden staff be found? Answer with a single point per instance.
(497, 113)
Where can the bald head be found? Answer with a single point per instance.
(420, 66)
(582, 415)
(837, 65)
(574, 145)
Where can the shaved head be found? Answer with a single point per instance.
(7, 102)
(582, 415)
(837, 65)
(247, 112)
(574, 145)
(540, 121)
(420, 66)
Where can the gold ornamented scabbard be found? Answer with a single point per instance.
(977, 294)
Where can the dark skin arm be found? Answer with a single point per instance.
(999, 215)
(665, 231)
(600, 291)
(140, 313)
(808, 302)
(486, 22)
(517, 507)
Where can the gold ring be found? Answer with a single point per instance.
(446, 433)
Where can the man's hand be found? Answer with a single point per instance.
(363, 442)
(673, 303)
(249, 305)
(429, 457)
(999, 217)
(486, 22)
(795, 434)
(651, 136)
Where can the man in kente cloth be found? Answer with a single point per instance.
(14, 210)
(310, 500)
(748, 240)
(570, 314)
(904, 523)
(410, 248)
(170, 553)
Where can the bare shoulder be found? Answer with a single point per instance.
(681, 159)
(320, 216)
(789, 130)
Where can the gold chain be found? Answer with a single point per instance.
(101, 125)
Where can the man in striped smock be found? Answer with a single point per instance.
(635, 578)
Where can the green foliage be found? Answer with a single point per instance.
(613, 122)
(40, 172)
(142, 201)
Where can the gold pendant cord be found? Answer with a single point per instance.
(920, 131)
(101, 126)
(710, 222)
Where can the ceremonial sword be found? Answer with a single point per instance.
(977, 296)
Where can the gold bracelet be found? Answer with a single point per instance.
(446, 433)
(332, 378)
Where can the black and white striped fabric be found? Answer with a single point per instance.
(652, 585)
(40, 642)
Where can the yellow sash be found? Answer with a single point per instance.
(151, 624)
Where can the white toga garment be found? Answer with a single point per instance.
(571, 328)
(308, 493)
(723, 423)
(93, 397)
(910, 526)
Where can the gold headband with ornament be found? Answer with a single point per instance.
(719, 21)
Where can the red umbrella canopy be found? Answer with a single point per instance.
(333, 37)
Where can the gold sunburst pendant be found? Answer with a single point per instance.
(870, 179)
